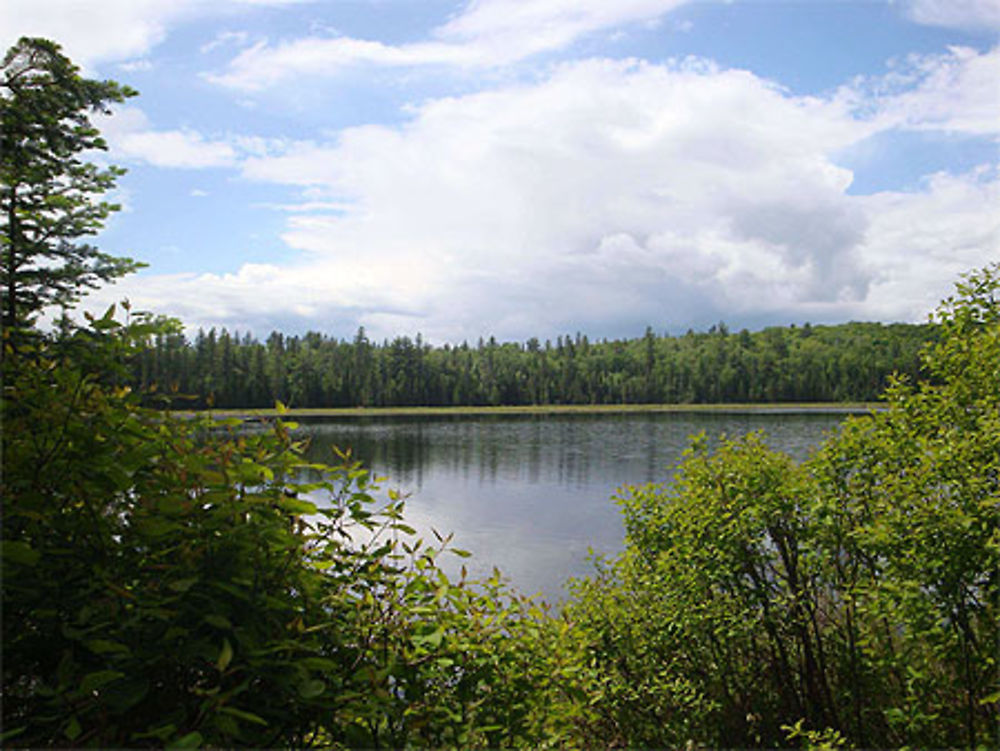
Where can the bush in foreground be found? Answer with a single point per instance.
(169, 582)
(852, 599)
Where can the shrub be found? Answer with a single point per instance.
(169, 580)
(853, 597)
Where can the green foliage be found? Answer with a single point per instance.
(703, 623)
(47, 192)
(850, 600)
(848, 362)
(175, 582)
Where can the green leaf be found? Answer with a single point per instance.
(12, 733)
(219, 621)
(226, 725)
(298, 506)
(163, 732)
(73, 729)
(126, 693)
(191, 740)
(93, 681)
(183, 585)
(105, 646)
(432, 640)
(319, 663)
(19, 552)
(175, 632)
(311, 689)
(243, 715)
(225, 655)
(172, 505)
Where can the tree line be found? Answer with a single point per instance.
(846, 362)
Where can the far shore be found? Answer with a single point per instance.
(545, 409)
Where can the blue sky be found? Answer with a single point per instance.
(525, 168)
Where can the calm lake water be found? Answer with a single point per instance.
(532, 494)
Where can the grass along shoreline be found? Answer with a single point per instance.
(547, 409)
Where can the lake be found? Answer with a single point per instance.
(532, 494)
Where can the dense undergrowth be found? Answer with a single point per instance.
(168, 582)
(849, 600)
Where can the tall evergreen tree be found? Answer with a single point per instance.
(49, 196)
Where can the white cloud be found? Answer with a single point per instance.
(95, 32)
(487, 33)
(307, 206)
(263, 65)
(175, 148)
(131, 137)
(224, 39)
(136, 66)
(957, 14)
(596, 195)
(511, 30)
(608, 196)
(91, 32)
(918, 243)
(957, 91)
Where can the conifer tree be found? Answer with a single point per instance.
(49, 195)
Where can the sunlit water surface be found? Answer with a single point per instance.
(533, 494)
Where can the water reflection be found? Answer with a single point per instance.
(532, 493)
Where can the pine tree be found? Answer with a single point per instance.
(49, 196)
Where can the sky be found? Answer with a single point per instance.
(530, 168)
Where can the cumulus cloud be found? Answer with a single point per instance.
(602, 197)
(91, 32)
(590, 185)
(956, 14)
(608, 196)
(175, 148)
(508, 30)
(132, 138)
(95, 32)
(263, 65)
(956, 91)
(487, 33)
(918, 243)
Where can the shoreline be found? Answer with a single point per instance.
(846, 408)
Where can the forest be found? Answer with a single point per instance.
(846, 362)
(172, 581)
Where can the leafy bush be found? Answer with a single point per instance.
(853, 597)
(170, 581)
